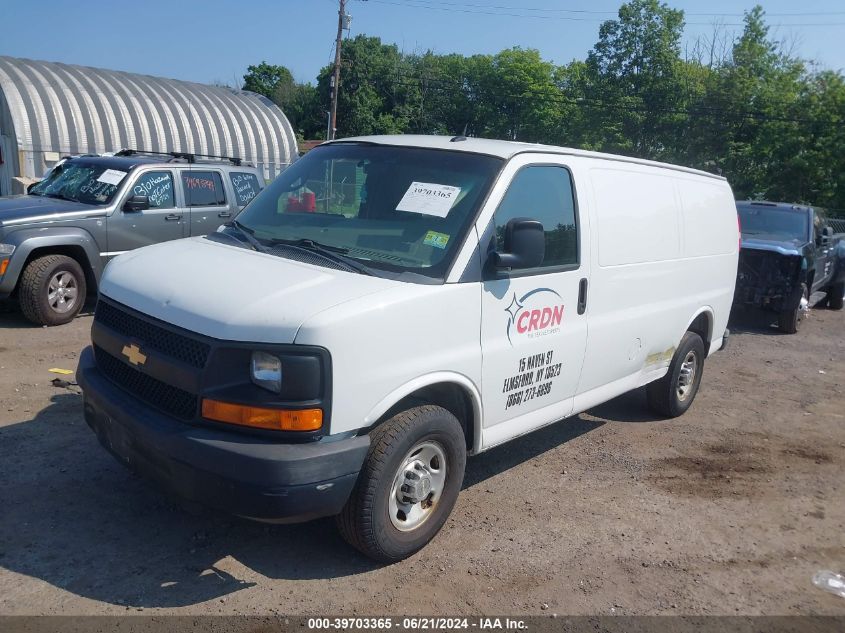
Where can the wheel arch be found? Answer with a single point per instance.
(75, 252)
(702, 324)
(77, 244)
(454, 392)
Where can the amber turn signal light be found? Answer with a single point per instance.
(260, 418)
(4, 264)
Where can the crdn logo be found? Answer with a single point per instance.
(538, 312)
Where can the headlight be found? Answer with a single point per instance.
(266, 371)
(6, 249)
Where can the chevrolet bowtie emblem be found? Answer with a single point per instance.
(134, 355)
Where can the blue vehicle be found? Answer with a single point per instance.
(788, 253)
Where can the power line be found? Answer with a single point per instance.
(413, 4)
(609, 12)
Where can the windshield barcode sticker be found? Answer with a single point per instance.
(429, 199)
(111, 176)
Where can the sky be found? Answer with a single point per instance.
(215, 40)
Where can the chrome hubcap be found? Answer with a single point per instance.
(417, 486)
(803, 308)
(686, 378)
(62, 292)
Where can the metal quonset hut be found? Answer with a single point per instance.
(49, 110)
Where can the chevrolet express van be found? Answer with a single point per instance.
(389, 305)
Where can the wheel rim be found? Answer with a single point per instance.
(417, 486)
(62, 292)
(686, 377)
(803, 309)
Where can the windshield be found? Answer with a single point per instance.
(81, 182)
(396, 209)
(773, 223)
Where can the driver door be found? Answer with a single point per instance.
(162, 221)
(534, 324)
(824, 252)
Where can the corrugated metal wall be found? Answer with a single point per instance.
(66, 109)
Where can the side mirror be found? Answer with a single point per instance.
(525, 245)
(824, 236)
(137, 203)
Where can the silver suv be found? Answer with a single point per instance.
(56, 240)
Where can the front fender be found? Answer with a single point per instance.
(427, 380)
(26, 241)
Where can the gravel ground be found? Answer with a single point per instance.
(729, 509)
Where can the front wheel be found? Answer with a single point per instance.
(52, 290)
(408, 485)
(789, 320)
(673, 394)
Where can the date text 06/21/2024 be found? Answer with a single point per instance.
(417, 623)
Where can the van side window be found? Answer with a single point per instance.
(158, 187)
(543, 193)
(203, 188)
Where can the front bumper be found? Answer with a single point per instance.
(246, 475)
(9, 280)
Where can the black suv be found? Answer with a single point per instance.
(788, 252)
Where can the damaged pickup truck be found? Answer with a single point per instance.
(788, 253)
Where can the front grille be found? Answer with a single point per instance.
(167, 398)
(178, 346)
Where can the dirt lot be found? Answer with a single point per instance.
(729, 509)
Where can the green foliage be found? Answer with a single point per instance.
(266, 79)
(765, 120)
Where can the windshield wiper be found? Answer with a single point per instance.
(333, 253)
(248, 234)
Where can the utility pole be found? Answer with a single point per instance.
(336, 77)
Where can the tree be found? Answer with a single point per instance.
(745, 108)
(753, 130)
(521, 100)
(633, 87)
(372, 84)
(267, 79)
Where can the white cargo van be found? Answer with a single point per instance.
(389, 305)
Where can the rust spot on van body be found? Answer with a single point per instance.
(660, 357)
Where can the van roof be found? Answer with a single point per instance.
(504, 149)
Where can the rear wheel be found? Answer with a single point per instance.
(52, 290)
(673, 394)
(835, 296)
(408, 485)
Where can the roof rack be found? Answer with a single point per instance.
(179, 156)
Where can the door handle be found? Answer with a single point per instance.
(582, 296)
(224, 214)
(173, 217)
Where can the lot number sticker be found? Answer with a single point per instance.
(429, 199)
(111, 177)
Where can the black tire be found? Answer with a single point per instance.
(835, 296)
(34, 290)
(789, 320)
(365, 522)
(664, 395)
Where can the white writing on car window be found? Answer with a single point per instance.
(158, 188)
